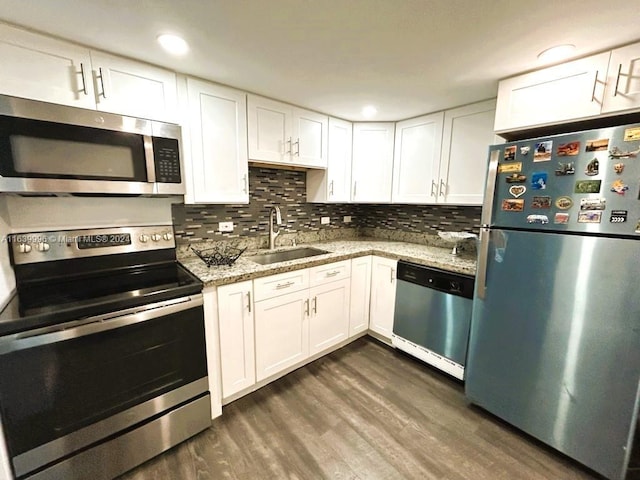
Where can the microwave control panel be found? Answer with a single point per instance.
(166, 158)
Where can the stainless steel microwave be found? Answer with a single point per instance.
(48, 148)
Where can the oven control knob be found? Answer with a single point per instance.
(144, 238)
(42, 247)
(24, 248)
(156, 237)
(167, 236)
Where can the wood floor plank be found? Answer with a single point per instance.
(366, 411)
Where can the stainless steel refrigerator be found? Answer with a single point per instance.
(555, 334)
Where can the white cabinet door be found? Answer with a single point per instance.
(133, 88)
(282, 332)
(372, 165)
(269, 127)
(383, 296)
(468, 132)
(329, 319)
(236, 337)
(218, 134)
(334, 184)
(42, 68)
(623, 80)
(309, 138)
(571, 91)
(416, 159)
(360, 294)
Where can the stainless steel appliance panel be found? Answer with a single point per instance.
(554, 342)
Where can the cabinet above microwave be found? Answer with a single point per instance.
(48, 148)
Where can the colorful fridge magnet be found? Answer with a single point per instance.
(597, 145)
(541, 219)
(571, 148)
(593, 168)
(593, 204)
(541, 202)
(542, 151)
(539, 180)
(631, 134)
(615, 152)
(618, 168)
(510, 153)
(510, 167)
(512, 205)
(561, 218)
(587, 186)
(618, 216)
(524, 151)
(516, 178)
(564, 203)
(565, 169)
(517, 190)
(638, 227)
(619, 187)
(590, 216)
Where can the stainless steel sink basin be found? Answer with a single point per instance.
(286, 255)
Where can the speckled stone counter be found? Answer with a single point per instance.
(245, 269)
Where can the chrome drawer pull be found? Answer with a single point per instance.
(285, 285)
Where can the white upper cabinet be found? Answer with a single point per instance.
(623, 80)
(570, 91)
(416, 162)
(133, 88)
(372, 167)
(468, 132)
(334, 184)
(42, 68)
(281, 134)
(217, 126)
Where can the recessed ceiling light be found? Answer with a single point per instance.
(173, 44)
(559, 52)
(369, 111)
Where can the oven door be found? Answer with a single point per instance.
(68, 387)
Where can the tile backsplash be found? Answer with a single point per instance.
(287, 189)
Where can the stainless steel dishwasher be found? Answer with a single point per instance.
(433, 315)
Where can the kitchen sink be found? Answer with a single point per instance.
(286, 255)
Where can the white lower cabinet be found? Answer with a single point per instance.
(383, 296)
(235, 317)
(329, 316)
(360, 295)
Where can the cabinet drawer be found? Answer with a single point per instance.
(280, 284)
(329, 273)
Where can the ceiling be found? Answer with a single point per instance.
(406, 57)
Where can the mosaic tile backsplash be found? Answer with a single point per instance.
(287, 189)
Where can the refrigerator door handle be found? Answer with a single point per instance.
(492, 175)
(483, 257)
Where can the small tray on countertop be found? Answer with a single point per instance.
(220, 255)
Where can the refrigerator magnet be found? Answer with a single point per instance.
(516, 178)
(564, 203)
(571, 148)
(590, 216)
(618, 167)
(512, 205)
(517, 190)
(541, 219)
(524, 151)
(631, 134)
(615, 152)
(618, 216)
(561, 218)
(619, 187)
(510, 153)
(597, 145)
(541, 202)
(593, 168)
(510, 167)
(588, 186)
(542, 151)
(593, 204)
(565, 169)
(539, 180)
(638, 227)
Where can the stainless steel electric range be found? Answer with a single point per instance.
(102, 353)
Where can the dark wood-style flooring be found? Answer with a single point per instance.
(363, 412)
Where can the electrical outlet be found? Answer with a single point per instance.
(325, 220)
(225, 226)
(347, 219)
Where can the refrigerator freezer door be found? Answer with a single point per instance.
(555, 343)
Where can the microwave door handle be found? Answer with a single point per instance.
(149, 160)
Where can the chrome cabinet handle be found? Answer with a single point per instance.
(443, 188)
(101, 77)
(355, 186)
(288, 152)
(615, 90)
(284, 285)
(393, 271)
(249, 301)
(595, 82)
(306, 307)
(331, 187)
(434, 188)
(315, 304)
(297, 143)
(84, 80)
(246, 183)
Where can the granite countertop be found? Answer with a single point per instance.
(245, 269)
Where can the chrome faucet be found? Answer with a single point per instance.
(274, 214)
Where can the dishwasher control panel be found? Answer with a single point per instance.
(448, 282)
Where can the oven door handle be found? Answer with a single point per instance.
(97, 324)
